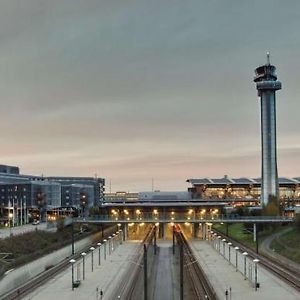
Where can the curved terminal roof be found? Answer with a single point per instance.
(239, 181)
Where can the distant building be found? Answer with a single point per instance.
(9, 169)
(30, 194)
(97, 183)
(53, 189)
(246, 189)
(120, 197)
(77, 195)
(164, 196)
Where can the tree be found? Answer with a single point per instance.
(272, 208)
(297, 221)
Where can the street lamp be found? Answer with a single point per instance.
(236, 257)
(72, 261)
(104, 241)
(219, 238)
(92, 250)
(245, 255)
(10, 215)
(224, 240)
(109, 245)
(99, 261)
(83, 254)
(256, 261)
(113, 241)
(229, 248)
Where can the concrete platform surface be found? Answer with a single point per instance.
(223, 275)
(104, 277)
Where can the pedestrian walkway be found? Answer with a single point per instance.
(105, 277)
(224, 276)
(265, 248)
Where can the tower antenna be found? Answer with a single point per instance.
(268, 58)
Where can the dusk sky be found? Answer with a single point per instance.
(138, 89)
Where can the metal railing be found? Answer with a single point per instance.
(182, 218)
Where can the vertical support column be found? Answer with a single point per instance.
(155, 245)
(125, 231)
(196, 230)
(173, 231)
(160, 232)
(255, 236)
(164, 230)
(181, 272)
(73, 247)
(203, 231)
(145, 274)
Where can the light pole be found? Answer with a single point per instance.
(256, 261)
(236, 257)
(229, 248)
(245, 255)
(224, 240)
(113, 241)
(219, 239)
(104, 241)
(215, 241)
(72, 261)
(109, 245)
(92, 252)
(99, 247)
(10, 215)
(83, 254)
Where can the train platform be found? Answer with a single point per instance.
(104, 278)
(229, 281)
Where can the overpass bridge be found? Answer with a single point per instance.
(198, 226)
(108, 219)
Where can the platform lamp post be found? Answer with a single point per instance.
(224, 240)
(92, 256)
(219, 239)
(104, 241)
(83, 254)
(113, 242)
(215, 240)
(236, 257)
(229, 254)
(99, 258)
(10, 215)
(256, 261)
(72, 261)
(245, 255)
(109, 245)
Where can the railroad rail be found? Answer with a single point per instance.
(290, 276)
(37, 281)
(127, 286)
(200, 283)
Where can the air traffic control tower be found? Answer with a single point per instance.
(267, 85)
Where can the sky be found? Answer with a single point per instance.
(132, 90)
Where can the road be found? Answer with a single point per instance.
(5, 232)
(265, 248)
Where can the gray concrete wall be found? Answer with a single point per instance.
(22, 274)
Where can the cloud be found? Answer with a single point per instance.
(129, 88)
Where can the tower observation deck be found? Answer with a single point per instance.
(266, 85)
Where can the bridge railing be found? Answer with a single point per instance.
(183, 218)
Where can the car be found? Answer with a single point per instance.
(36, 222)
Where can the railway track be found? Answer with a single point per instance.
(200, 283)
(37, 281)
(292, 277)
(134, 278)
